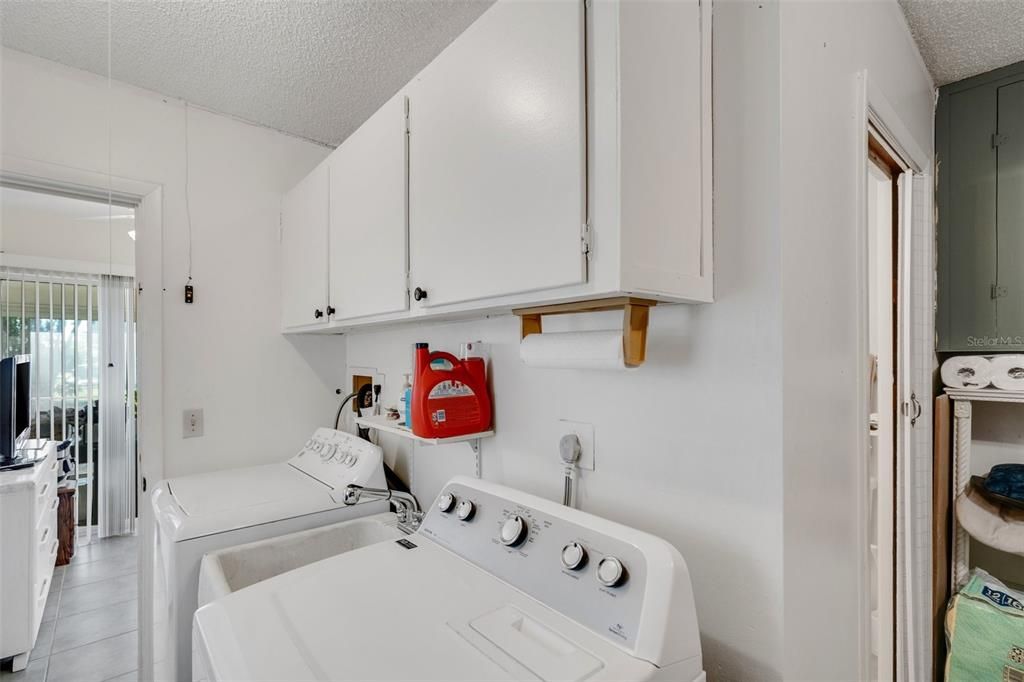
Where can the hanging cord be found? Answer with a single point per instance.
(188, 205)
(110, 153)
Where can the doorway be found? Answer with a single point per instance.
(884, 182)
(67, 300)
(897, 303)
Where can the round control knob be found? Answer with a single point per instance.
(514, 531)
(574, 556)
(611, 572)
(446, 502)
(465, 510)
(327, 452)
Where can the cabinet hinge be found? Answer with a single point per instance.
(997, 291)
(585, 239)
(280, 228)
(998, 139)
(406, 115)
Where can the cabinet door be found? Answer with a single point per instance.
(967, 229)
(368, 263)
(304, 212)
(1009, 149)
(496, 156)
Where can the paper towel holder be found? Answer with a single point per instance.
(635, 315)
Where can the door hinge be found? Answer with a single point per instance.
(998, 139)
(997, 291)
(585, 239)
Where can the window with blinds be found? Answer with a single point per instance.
(55, 319)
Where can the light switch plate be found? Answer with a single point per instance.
(585, 432)
(192, 423)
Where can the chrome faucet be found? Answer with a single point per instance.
(407, 507)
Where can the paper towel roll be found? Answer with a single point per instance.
(573, 350)
(966, 371)
(1008, 372)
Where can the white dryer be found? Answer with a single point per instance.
(205, 512)
(496, 585)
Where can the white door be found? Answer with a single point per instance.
(368, 235)
(496, 157)
(916, 339)
(304, 224)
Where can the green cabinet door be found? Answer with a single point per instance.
(979, 144)
(967, 220)
(1009, 148)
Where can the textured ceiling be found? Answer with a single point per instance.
(962, 38)
(312, 68)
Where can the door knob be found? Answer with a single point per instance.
(331, 310)
(318, 313)
(419, 294)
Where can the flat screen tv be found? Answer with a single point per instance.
(15, 404)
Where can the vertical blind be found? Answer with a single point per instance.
(68, 323)
(117, 406)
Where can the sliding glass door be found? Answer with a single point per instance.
(55, 319)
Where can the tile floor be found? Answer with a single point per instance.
(89, 630)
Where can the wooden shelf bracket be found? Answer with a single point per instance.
(635, 317)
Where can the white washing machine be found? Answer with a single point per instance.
(205, 512)
(496, 585)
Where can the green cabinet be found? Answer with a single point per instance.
(979, 141)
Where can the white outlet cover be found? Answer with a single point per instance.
(585, 432)
(191, 423)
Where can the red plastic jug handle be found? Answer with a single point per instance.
(456, 364)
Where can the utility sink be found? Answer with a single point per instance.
(229, 570)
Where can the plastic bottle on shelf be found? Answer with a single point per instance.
(449, 395)
(405, 402)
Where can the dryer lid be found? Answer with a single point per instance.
(220, 491)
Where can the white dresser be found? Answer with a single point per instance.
(28, 549)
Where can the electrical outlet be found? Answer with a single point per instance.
(191, 423)
(585, 432)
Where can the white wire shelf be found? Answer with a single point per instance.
(393, 426)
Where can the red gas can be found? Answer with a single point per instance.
(449, 396)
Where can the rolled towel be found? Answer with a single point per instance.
(966, 371)
(1008, 372)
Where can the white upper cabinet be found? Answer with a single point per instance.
(497, 157)
(556, 151)
(304, 220)
(368, 245)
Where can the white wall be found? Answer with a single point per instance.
(53, 232)
(824, 45)
(262, 393)
(688, 445)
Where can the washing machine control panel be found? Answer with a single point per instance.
(589, 569)
(336, 459)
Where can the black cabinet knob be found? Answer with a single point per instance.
(318, 313)
(419, 294)
(331, 310)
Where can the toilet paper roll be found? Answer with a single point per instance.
(966, 371)
(1008, 372)
(573, 350)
